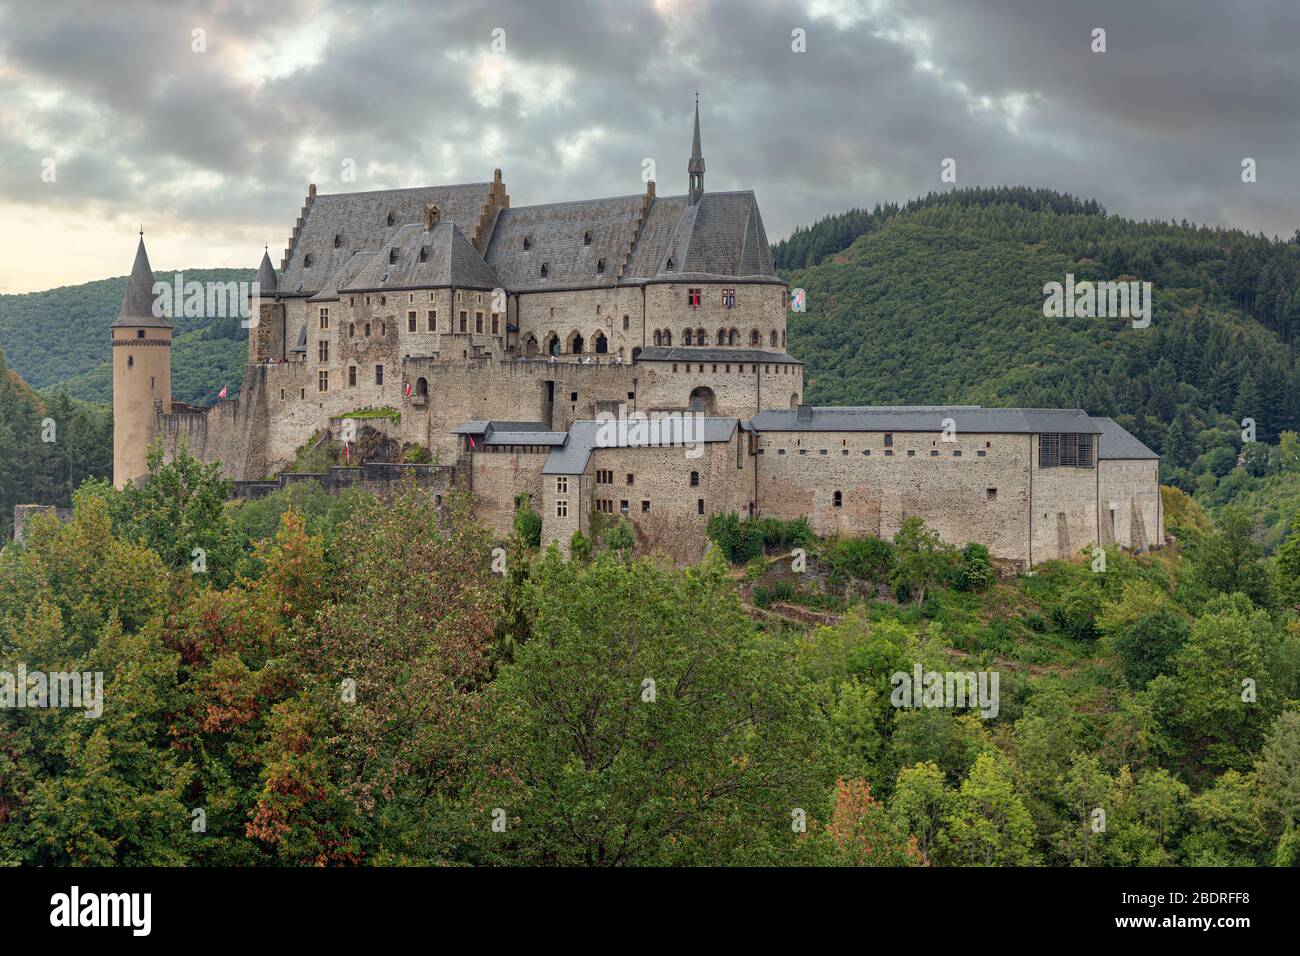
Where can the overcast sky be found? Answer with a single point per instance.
(213, 150)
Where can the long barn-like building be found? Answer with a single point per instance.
(501, 338)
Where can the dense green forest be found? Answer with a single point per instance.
(310, 680)
(60, 337)
(51, 444)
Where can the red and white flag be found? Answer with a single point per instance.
(222, 393)
(471, 440)
(408, 389)
(347, 453)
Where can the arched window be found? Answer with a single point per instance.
(700, 337)
(686, 337)
(530, 345)
(733, 337)
(772, 339)
(668, 337)
(602, 346)
(552, 344)
(422, 387)
(755, 338)
(782, 340)
(575, 343)
(636, 353)
(722, 336)
(657, 342)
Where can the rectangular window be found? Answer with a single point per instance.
(379, 375)
(324, 318)
(323, 383)
(1066, 450)
(645, 507)
(352, 376)
(629, 479)
(889, 439)
(464, 316)
(410, 321)
(728, 298)
(991, 494)
(693, 297)
(839, 499)
(561, 509)
(562, 485)
(432, 320)
(323, 350)
(622, 506)
(699, 506)
(496, 324)
(478, 322)
(627, 319)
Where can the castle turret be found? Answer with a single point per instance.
(142, 372)
(695, 166)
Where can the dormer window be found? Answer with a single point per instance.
(338, 241)
(528, 243)
(392, 256)
(600, 266)
(424, 253)
(545, 269)
(390, 219)
(586, 238)
(668, 266)
(306, 261)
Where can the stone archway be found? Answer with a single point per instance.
(552, 344)
(575, 343)
(703, 400)
(600, 345)
(530, 345)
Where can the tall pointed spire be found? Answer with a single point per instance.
(695, 168)
(137, 303)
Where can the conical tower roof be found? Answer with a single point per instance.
(266, 280)
(137, 303)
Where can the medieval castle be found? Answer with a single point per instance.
(497, 336)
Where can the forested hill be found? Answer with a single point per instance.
(942, 301)
(60, 337)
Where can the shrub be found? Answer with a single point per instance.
(528, 523)
(417, 454)
(866, 559)
(579, 547)
(619, 537)
(975, 573)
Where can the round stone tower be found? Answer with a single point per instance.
(142, 373)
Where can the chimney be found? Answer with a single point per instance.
(311, 190)
(430, 216)
(650, 189)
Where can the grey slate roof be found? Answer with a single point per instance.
(266, 281)
(691, 353)
(1117, 443)
(137, 302)
(585, 436)
(301, 344)
(555, 233)
(925, 418)
(496, 437)
(449, 259)
(482, 427)
(722, 236)
(361, 222)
